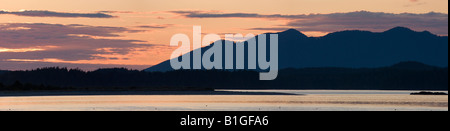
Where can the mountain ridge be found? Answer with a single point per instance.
(412, 65)
(355, 49)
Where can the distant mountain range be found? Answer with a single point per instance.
(411, 65)
(355, 49)
(397, 59)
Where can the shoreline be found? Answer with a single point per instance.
(269, 92)
(93, 93)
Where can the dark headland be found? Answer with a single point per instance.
(429, 93)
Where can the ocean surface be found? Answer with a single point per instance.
(227, 100)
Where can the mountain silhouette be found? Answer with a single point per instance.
(411, 65)
(353, 49)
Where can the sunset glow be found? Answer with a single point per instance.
(19, 50)
(137, 33)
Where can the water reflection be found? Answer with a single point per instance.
(239, 100)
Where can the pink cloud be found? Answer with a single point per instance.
(68, 42)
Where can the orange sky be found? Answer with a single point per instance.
(134, 14)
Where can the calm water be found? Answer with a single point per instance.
(278, 100)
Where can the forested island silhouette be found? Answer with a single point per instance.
(402, 76)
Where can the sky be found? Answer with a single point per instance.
(92, 34)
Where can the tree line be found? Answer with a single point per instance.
(388, 78)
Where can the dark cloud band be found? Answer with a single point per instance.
(360, 20)
(33, 13)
